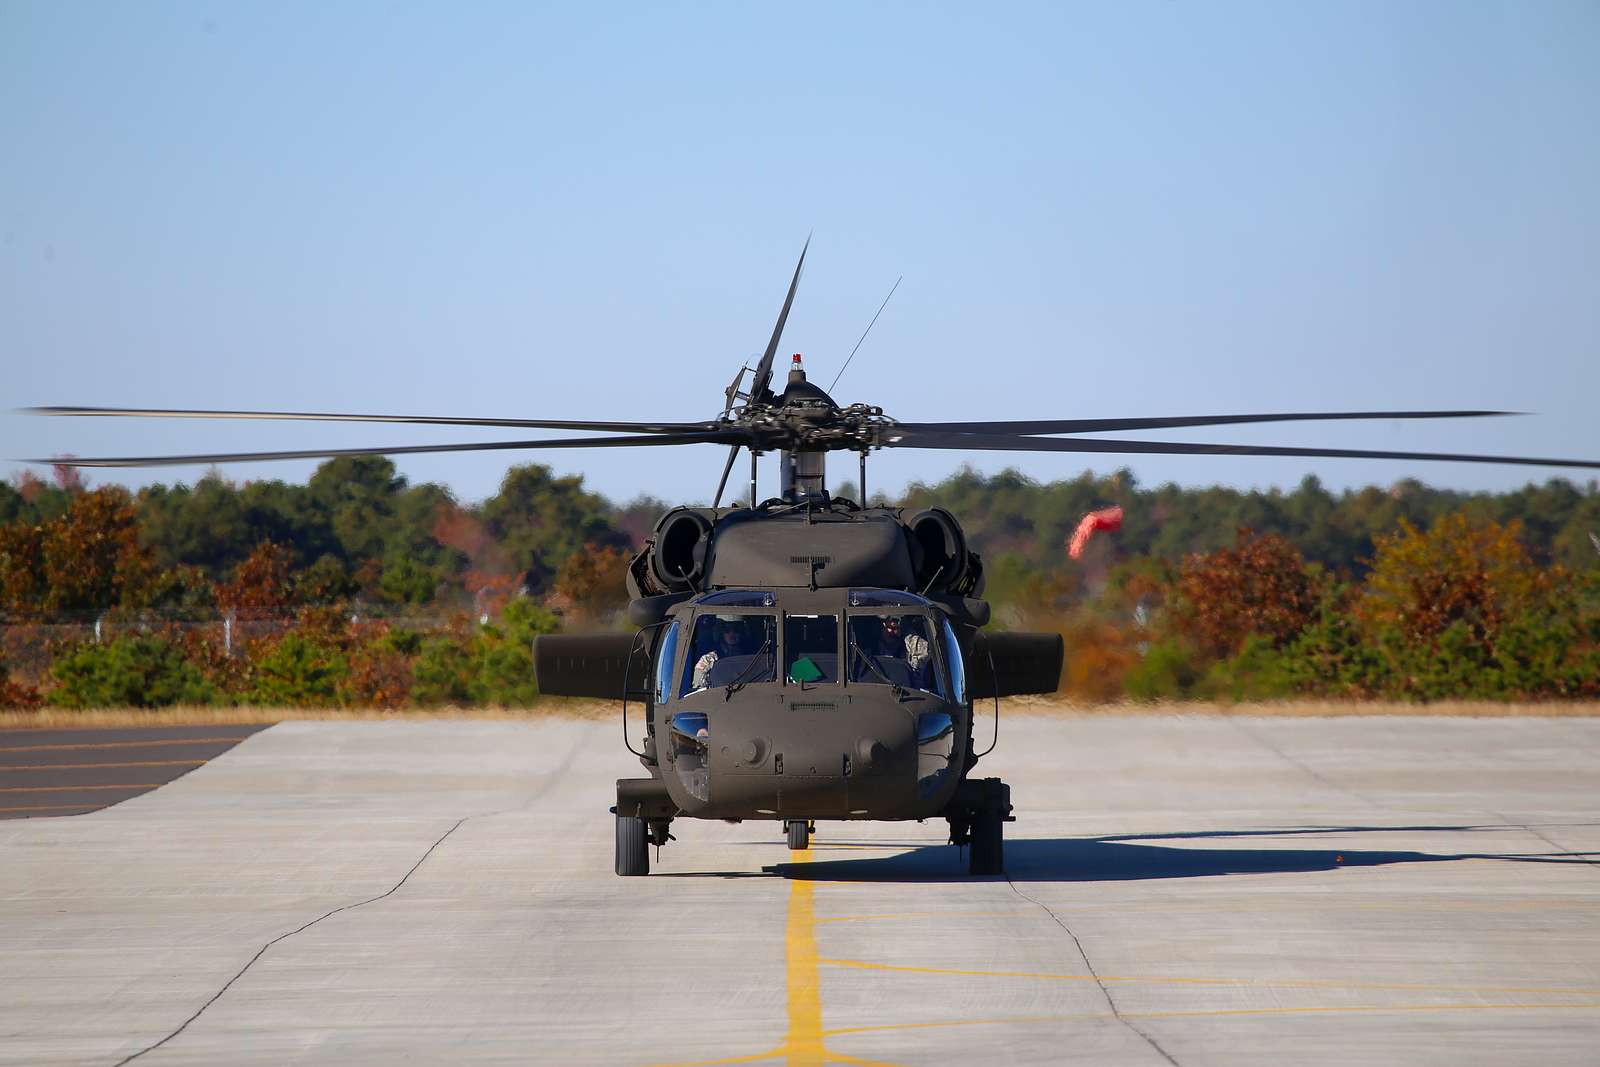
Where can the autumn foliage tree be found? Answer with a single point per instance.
(1259, 586)
(1476, 573)
(260, 586)
(88, 559)
(593, 581)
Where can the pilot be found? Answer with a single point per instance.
(730, 641)
(916, 651)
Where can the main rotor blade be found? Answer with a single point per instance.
(761, 384)
(707, 437)
(432, 420)
(1107, 425)
(908, 437)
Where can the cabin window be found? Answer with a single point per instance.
(730, 650)
(894, 650)
(811, 649)
(665, 657)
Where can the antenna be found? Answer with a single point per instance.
(864, 333)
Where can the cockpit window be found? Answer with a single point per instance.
(894, 650)
(730, 650)
(665, 658)
(952, 656)
(738, 598)
(811, 648)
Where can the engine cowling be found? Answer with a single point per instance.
(694, 549)
(679, 549)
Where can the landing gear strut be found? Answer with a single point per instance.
(644, 814)
(978, 815)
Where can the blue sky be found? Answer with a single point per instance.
(511, 210)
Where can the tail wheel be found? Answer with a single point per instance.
(633, 851)
(987, 854)
(799, 835)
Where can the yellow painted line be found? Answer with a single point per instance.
(1028, 913)
(99, 766)
(75, 788)
(55, 807)
(803, 1045)
(1013, 1021)
(1361, 1009)
(1022, 1020)
(866, 966)
(1263, 983)
(128, 744)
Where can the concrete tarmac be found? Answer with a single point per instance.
(1186, 891)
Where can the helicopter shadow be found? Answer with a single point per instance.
(1124, 857)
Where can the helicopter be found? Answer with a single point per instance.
(805, 656)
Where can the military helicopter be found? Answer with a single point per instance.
(806, 656)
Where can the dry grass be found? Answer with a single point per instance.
(56, 718)
(602, 709)
(1478, 709)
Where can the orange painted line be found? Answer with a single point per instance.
(128, 744)
(56, 807)
(1258, 983)
(96, 766)
(76, 788)
(1379, 1009)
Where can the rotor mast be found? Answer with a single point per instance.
(802, 474)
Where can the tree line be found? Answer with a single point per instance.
(1404, 591)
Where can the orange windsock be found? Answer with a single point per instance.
(1107, 519)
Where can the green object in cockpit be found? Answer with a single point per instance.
(804, 670)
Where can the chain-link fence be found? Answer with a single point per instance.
(27, 648)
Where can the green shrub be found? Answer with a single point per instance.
(1167, 672)
(443, 670)
(1258, 672)
(503, 654)
(137, 671)
(297, 670)
(492, 664)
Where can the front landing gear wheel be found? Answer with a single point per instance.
(799, 835)
(633, 852)
(987, 854)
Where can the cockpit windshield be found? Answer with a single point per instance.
(730, 650)
(895, 650)
(811, 648)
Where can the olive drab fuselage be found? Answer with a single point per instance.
(804, 659)
(865, 740)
